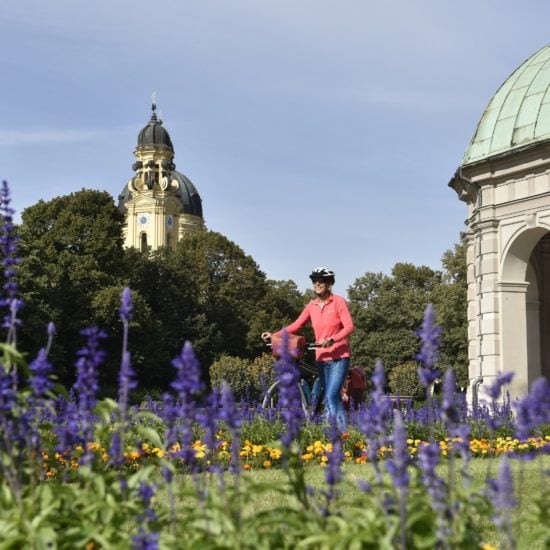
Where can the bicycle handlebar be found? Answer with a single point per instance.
(309, 345)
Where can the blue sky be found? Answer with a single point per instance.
(317, 132)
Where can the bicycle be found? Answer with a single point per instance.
(354, 390)
(307, 381)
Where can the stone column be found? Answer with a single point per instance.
(513, 331)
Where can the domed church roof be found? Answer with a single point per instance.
(188, 195)
(154, 133)
(519, 113)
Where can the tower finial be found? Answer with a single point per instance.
(154, 100)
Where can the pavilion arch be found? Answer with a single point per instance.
(517, 252)
(525, 307)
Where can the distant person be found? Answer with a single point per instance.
(332, 324)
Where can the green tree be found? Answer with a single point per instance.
(233, 293)
(450, 301)
(71, 248)
(387, 311)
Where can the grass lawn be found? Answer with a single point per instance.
(529, 481)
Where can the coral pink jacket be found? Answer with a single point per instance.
(329, 319)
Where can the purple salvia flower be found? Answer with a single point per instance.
(188, 386)
(86, 386)
(429, 354)
(146, 539)
(67, 426)
(126, 306)
(188, 378)
(429, 456)
(230, 415)
(8, 251)
(333, 473)
(89, 359)
(494, 390)
(116, 457)
(398, 465)
(126, 377)
(8, 390)
(498, 414)
(462, 444)
(533, 410)
(501, 492)
(290, 401)
(208, 419)
(40, 369)
(373, 420)
(398, 469)
(51, 333)
(170, 415)
(126, 382)
(449, 406)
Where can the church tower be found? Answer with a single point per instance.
(161, 205)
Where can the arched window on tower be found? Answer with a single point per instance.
(143, 242)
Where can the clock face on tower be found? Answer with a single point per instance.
(142, 220)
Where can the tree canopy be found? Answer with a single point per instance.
(388, 310)
(207, 291)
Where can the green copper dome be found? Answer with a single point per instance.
(519, 113)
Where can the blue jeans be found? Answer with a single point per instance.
(332, 375)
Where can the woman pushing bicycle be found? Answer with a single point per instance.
(330, 318)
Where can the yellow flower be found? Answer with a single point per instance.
(267, 464)
(275, 454)
(158, 452)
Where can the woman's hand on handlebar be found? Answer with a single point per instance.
(266, 336)
(327, 343)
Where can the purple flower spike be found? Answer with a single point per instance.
(126, 382)
(290, 401)
(188, 378)
(230, 415)
(399, 463)
(429, 355)
(8, 251)
(126, 307)
(40, 369)
(86, 386)
(501, 492)
(335, 458)
(533, 410)
(494, 390)
(449, 408)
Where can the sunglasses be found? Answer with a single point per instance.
(318, 282)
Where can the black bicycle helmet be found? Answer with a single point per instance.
(322, 274)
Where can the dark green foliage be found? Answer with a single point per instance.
(450, 301)
(388, 310)
(247, 379)
(71, 248)
(403, 380)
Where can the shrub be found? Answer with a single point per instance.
(247, 379)
(403, 380)
(236, 372)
